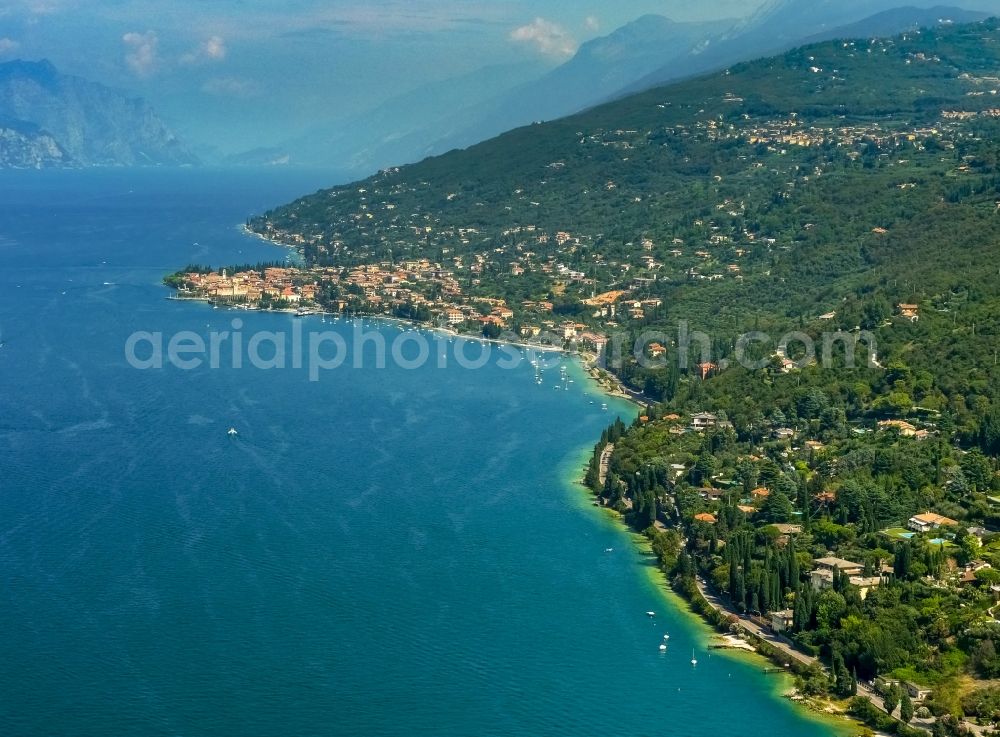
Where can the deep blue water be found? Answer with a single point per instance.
(381, 552)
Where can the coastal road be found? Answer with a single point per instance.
(787, 649)
(602, 474)
(764, 633)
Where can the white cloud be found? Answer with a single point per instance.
(591, 23)
(141, 52)
(366, 19)
(549, 38)
(46, 7)
(215, 48)
(212, 49)
(230, 87)
(8, 46)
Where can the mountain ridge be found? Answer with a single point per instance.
(91, 124)
(600, 68)
(783, 24)
(473, 107)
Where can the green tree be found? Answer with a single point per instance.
(905, 707)
(985, 660)
(841, 675)
(891, 698)
(977, 470)
(747, 475)
(903, 560)
(703, 469)
(957, 484)
(777, 508)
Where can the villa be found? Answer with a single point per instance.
(782, 621)
(846, 567)
(822, 578)
(703, 421)
(906, 429)
(929, 521)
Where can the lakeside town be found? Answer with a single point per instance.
(419, 291)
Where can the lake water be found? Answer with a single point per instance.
(381, 552)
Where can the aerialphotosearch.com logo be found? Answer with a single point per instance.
(318, 351)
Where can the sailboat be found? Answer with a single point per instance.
(694, 660)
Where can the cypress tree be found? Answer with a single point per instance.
(801, 612)
(891, 698)
(733, 571)
(905, 707)
(903, 560)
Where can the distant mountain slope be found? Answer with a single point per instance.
(650, 51)
(276, 156)
(897, 20)
(782, 24)
(465, 110)
(25, 146)
(405, 127)
(92, 124)
(600, 68)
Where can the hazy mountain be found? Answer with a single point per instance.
(782, 24)
(277, 156)
(26, 146)
(600, 68)
(653, 50)
(462, 111)
(404, 127)
(789, 21)
(91, 124)
(901, 19)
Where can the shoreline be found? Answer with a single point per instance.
(260, 236)
(392, 319)
(610, 385)
(590, 365)
(839, 724)
(711, 638)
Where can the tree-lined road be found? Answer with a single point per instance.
(787, 649)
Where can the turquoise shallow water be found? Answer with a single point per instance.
(382, 552)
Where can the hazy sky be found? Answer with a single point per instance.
(275, 66)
